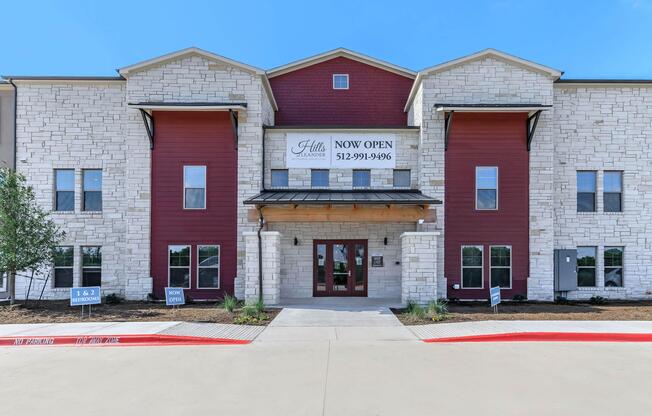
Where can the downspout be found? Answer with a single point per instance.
(11, 81)
(261, 224)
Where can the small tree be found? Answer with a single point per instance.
(28, 236)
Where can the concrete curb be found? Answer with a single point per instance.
(116, 340)
(547, 337)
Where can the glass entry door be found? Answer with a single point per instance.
(340, 268)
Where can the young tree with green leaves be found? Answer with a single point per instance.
(28, 236)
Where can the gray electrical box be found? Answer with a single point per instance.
(565, 270)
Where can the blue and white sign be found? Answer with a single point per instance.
(174, 296)
(80, 296)
(494, 293)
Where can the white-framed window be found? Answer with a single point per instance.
(194, 187)
(586, 189)
(64, 262)
(486, 188)
(208, 266)
(612, 198)
(179, 266)
(64, 189)
(340, 81)
(586, 263)
(361, 178)
(280, 178)
(500, 264)
(402, 178)
(613, 266)
(3, 281)
(472, 267)
(91, 265)
(92, 189)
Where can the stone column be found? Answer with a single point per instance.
(419, 267)
(271, 267)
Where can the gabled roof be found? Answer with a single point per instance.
(336, 53)
(127, 70)
(486, 53)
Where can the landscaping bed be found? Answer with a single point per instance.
(529, 311)
(127, 311)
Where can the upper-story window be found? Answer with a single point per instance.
(64, 185)
(402, 178)
(340, 81)
(486, 188)
(194, 187)
(613, 191)
(280, 178)
(361, 178)
(319, 178)
(92, 186)
(586, 190)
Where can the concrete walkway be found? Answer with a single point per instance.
(325, 319)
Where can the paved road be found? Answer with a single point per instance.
(330, 377)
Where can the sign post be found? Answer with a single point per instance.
(80, 296)
(174, 297)
(494, 294)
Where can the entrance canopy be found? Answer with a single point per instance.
(328, 205)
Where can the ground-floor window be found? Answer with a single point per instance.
(501, 266)
(64, 261)
(586, 266)
(472, 261)
(179, 266)
(208, 267)
(613, 266)
(3, 281)
(91, 266)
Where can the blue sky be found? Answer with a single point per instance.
(586, 39)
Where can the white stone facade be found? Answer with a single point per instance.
(419, 270)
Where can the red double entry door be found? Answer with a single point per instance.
(340, 268)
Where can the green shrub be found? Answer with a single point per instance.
(112, 299)
(260, 306)
(416, 310)
(597, 300)
(519, 298)
(438, 307)
(562, 301)
(229, 303)
(250, 315)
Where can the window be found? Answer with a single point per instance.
(402, 178)
(472, 267)
(613, 266)
(613, 191)
(92, 185)
(208, 267)
(179, 266)
(64, 185)
(340, 81)
(362, 178)
(64, 259)
(586, 191)
(319, 178)
(3, 281)
(280, 178)
(91, 266)
(486, 188)
(194, 187)
(586, 266)
(501, 266)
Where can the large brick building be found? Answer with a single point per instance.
(340, 174)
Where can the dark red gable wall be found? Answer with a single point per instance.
(375, 96)
(194, 138)
(485, 139)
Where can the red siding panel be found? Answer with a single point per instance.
(375, 96)
(483, 139)
(194, 138)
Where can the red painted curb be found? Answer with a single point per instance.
(548, 337)
(116, 340)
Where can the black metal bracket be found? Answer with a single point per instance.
(448, 119)
(532, 127)
(234, 124)
(148, 120)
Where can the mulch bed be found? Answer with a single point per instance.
(61, 311)
(533, 311)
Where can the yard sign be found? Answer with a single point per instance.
(174, 296)
(494, 294)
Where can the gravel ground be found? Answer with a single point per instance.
(61, 311)
(480, 311)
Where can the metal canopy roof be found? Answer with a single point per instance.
(342, 197)
(195, 106)
(491, 107)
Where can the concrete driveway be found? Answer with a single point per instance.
(323, 319)
(333, 378)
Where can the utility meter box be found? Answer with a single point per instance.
(565, 270)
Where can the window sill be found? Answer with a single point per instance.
(600, 289)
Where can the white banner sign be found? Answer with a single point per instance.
(341, 150)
